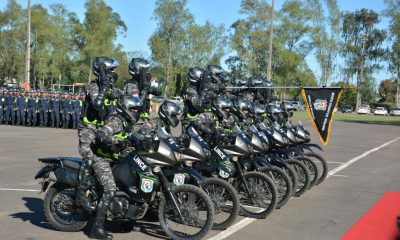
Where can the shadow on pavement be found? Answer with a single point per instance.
(394, 123)
(34, 214)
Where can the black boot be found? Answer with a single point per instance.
(83, 185)
(98, 231)
(83, 201)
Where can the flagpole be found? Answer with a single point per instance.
(28, 47)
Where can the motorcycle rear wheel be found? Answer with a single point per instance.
(60, 209)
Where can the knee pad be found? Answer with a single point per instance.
(108, 196)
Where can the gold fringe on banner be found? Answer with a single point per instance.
(303, 93)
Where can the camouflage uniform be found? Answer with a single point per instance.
(94, 116)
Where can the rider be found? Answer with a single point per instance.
(96, 111)
(139, 84)
(193, 105)
(213, 82)
(110, 141)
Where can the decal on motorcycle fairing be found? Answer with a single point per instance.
(147, 185)
(139, 161)
(220, 153)
(179, 179)
(223, 174)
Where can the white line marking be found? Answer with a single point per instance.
(338, 175)
(351, 161)
(334, 162)
(19, 190)
(246, 221)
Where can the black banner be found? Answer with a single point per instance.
(320, 103)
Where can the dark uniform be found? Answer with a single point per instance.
(43, 110)
(76, 112)
(65, 111)
(2, 106)
(55, 111)
(10, 103)
(32, 109)
(22, 107)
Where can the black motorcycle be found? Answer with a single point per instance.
(196, 168)
(257, 192)
(185, 211)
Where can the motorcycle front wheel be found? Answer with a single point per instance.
(226, 202)
(257, 193)
(197, 213)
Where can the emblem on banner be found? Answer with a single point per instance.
(320, 105)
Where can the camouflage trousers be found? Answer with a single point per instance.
(100, 165)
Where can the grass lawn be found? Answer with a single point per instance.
(354, 117)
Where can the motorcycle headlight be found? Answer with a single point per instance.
(188, 163)
(207, 152)
(177, 156)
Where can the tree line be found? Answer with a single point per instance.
(347, 47)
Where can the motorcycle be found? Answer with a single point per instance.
(185, 211)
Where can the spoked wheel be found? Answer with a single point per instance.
(294, 178)
(257, 194)
(225, 200)
(282, 182)
(61, 212)
(312, 168)
(321, 163)
(197, 213)
(303, 176)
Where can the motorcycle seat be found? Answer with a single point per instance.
(71, 162)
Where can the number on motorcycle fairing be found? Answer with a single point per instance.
(223, 174)
(179, 179)
(147, 185)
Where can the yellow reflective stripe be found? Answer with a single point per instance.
(86, 120)
(120, 135)
(80, 103)
(191, 116)
(144, 115)
(108, 102)
(207, 110)
(26, 99)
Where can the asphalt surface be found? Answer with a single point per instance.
(325, 212)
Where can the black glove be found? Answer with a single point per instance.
(221, 87)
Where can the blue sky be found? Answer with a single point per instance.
(137, 15)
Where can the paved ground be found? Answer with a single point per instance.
(325, 212)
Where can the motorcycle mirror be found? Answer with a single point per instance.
(290, 114)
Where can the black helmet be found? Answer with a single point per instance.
(168, 113)
(260, 109)
(110, 64)
(130, 107)
(268, 83)
(195, 75)
(221, 107)
(216, 72)
(136, 65)
(255, 82)
(239, 82)
(243, 108)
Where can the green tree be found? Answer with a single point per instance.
(392, 11)
(96, 35)
(387, 90)
(349, 94)
(12, 41)
(325, 36)
(362, 49)
(173, 19)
